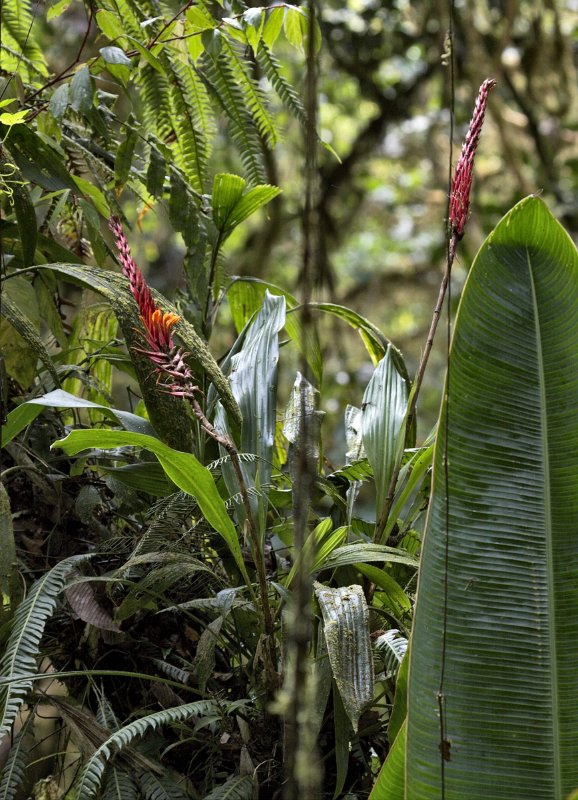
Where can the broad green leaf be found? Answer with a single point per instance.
(395, 597)
(110, 24)
(23, 207)
(497, 598)
(125, 154)
(367, 551)
(346, 630)
(199, 19)
(382, 423)
(245, 296)
(57, 8)
(182, 468)
(252, 201)
(39, 161)
(318, 546)
(15, 118)
(94, 194)
(295, 26)
(374, 340)
(227, 191)
(390, 783)
(82, 91)
(253, 378)
(147, 55)
(59, 101)
(61, 399)
(114, 55)
(255, 21)
(156, 172)
(146, 477)
(17, 420)
(273, 25)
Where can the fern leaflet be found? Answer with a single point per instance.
(231, 100)
(253, 96)
(19, 660)
(286, 92)
(91, 777)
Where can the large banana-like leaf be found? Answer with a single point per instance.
(495, 639)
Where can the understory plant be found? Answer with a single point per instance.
(149, 557)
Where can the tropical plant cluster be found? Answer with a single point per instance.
(198, 599)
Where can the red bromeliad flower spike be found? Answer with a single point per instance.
(167, 358)
(462, 181)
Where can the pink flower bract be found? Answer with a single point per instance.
(462, 181)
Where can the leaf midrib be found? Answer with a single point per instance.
(553, 672)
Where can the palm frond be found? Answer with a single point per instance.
(119, 785)
(90, 780)
(155, 97)
(19, 660)
(160, 788)
(129, 15)
(392, 645)
(17, 34)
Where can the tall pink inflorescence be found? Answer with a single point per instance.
(462, 181)
(167, 358)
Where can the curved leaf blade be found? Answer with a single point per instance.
(509, 550)
(346, 629)
(183, 469)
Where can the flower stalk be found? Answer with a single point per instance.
(458, 209)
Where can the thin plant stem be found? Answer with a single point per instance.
(268, 621)
(452, 245)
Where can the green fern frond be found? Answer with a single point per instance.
(231, 99)
(240, 787)
(90, 780)
(155, 97)
(253, 96)
(173, 672)
(193, 149)
(19, 660)
(128, 14)
(160, 788)
(14, 770)
(119, 785)
(17, 25)
(287, 94)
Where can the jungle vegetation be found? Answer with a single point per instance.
(256, 540)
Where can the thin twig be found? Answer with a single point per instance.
(453, 241)
(65, 72)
